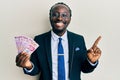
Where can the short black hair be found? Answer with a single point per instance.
(61, 4)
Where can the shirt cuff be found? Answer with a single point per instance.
(28, 71)
(93, 64)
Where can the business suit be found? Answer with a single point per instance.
(42, 60)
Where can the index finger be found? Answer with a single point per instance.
(96, 42)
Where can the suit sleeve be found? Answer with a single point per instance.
(86, 66)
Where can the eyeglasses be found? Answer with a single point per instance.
(63, 15)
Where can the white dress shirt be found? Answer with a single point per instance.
(54, 46)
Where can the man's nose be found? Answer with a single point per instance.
(59, 17)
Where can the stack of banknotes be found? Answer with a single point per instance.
(25, 44)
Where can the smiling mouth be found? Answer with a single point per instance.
(59, 24)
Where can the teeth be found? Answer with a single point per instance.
(59, 24)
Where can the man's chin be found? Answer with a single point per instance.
(58, 30)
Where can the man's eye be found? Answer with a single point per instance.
(64, 15)
(54, 15)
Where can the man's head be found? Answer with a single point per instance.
(60, 16)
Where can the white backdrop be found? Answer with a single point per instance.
(91, 18)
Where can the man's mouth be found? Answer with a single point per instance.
(60, 24)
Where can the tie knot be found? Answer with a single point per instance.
(60, 39)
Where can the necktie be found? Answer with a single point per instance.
(61, 67)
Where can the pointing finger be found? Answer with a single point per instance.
(96, 42)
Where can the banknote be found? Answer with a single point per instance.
(25, 44)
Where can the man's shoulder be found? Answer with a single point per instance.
(76, 38)
(74, 34)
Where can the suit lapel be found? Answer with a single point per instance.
(71, 50)
(48, 50)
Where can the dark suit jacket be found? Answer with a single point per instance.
(78, 62)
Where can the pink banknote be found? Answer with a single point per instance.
(25, 44)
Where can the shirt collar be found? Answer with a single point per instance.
(55, 36)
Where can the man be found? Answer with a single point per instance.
(62, 55)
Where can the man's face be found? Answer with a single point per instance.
(60, 18)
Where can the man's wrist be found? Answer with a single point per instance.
(93, 64)
(28, 70)
(30, 66)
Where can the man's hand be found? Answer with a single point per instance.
(94, 52)
(23, 60)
